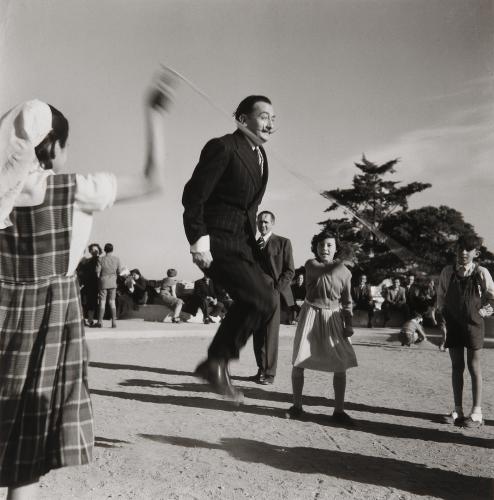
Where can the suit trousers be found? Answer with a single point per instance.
(253, 304)
(266, 341)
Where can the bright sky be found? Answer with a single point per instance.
(390, 78)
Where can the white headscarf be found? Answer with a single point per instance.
(21, 130)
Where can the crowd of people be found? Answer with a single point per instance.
(247, 284)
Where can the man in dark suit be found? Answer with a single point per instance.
(412, 294)
(220, 205)
(278, 265)
(362, 299)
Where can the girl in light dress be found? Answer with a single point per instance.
(46, 419)
(325, 324)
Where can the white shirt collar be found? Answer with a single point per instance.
(266, 236)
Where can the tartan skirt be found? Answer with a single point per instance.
(46, 419)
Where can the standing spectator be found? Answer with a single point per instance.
(465, 296)
(109, 268)
(168, 294)
(362, 299)
(412, 294)
(88, 279)
(430, 296)
(206, 299)
(394, 300)
(298, 292)
(278, 265)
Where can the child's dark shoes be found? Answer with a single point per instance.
(470, 423)
(343, 419)
(295, 413)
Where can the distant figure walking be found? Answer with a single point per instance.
(109, 267)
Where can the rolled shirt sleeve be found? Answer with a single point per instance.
(95, 192)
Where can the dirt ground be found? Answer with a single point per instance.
(161, 435)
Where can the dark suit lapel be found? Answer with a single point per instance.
(248, 158)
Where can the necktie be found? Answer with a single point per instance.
(261, 243)
(260, 159)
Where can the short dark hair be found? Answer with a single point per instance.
(317, 238)
(171, 273)
(135, 271)
(247, 105)
(94, 245)
(469, 242)
(267, 212)
(108, 248)
(45, 150)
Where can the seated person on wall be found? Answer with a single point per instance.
(394, 300)
(138, 288)
(206, 299)
(124, 300)
(413, 295)
(298, 291)
(412, 331)
(362, 299)
(224, 297)
(168, 294)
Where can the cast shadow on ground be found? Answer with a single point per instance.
(378, 428)
(152, 369)
(283, 397)
(414, 478)
(102, 442)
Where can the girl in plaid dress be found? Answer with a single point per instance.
(46, 417)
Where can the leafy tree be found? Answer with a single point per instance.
(388, 238)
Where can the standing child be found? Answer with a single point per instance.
(463, 297)
(325, 323)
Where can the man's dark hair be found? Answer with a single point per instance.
(469, 242)
(108, 248)
(94, 245)
(267, 212)
(135, 271)
(247, 105)
(171, 273)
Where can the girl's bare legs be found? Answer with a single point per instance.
(339, 386)
(178, 309)
(24, 492)
(297, 386)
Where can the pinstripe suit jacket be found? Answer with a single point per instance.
(222, 197)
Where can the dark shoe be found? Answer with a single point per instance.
(295, 413)
(207, 321)
(342, 418)
(257, 377)
(267, 380)
(468, 423)
(175, 320)
(96, 325)
(215, 372)
(369, 325)
(453, 418)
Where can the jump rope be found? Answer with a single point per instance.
(401, 252)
